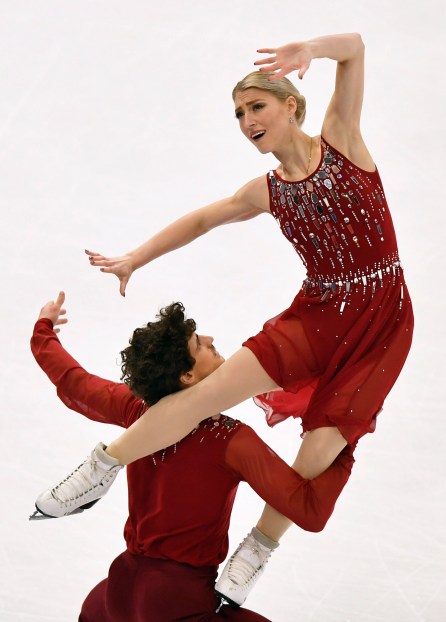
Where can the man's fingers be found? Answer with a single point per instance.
(60, 299)
(60, 321)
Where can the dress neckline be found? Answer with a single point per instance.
(300, 181)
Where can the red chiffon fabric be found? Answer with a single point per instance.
(339, 348)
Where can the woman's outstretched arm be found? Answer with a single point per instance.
(248, 202)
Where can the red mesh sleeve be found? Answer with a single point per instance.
(94, 397)
(308, 503)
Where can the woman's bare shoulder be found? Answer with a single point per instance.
(256, 193)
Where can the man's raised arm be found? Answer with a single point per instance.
(94, 397)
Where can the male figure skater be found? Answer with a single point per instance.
(181, 498)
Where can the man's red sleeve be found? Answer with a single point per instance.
(308, 503)
(94, 397)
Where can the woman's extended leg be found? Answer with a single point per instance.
(173, 417)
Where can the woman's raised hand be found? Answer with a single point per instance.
(287, 58)
(120, 266)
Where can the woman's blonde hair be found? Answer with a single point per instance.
(281, 88)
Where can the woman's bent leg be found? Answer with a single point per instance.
(327, 473)
(173, 417)
(317, 452)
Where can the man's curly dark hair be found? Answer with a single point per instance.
(158, 355)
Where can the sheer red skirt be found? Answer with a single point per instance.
(335, 369)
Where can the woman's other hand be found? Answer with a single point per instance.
(120, 266)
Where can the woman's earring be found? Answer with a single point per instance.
(291, 120)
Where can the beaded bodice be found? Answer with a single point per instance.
(337, 220)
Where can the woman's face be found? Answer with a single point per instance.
(263, 118)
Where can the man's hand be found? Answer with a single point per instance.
(53, 310)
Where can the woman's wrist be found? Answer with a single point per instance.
(140, 256)
(135, 260)
(340, 47)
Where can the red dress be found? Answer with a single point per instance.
(339, 348)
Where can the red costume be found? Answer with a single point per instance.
(180, 500)
(339, 348)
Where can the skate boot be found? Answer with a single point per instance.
(80, 490)
(244, 568)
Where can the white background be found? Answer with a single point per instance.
(115, 119)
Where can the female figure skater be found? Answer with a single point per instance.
(336, 352)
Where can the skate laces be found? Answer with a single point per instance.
(87, 475)
(248, 560)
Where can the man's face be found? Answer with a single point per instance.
(207, 359)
